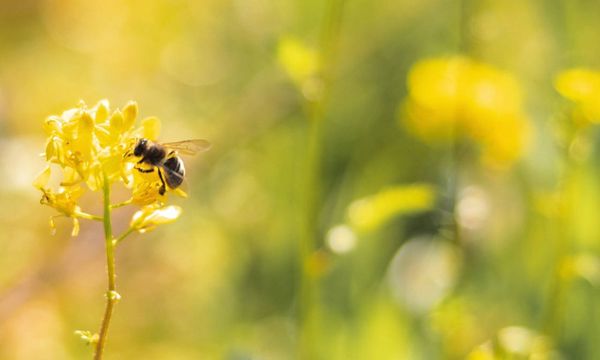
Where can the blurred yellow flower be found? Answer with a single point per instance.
(504, 140)
(586, 266)
(84, 145)
(298, 60)
(456, 97)
(301, 63)
(459, 327)
(515, 342)
(368, 213)
(582, 86)
(483, 352)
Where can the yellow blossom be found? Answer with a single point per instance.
(298, 60)
(482, 352)
(146, 189)
(151, 216)
(85, 146)
(64, 200)
(582, 86)
(436, 85)
(503, 142)
(459, 98)
(514, 342)
(301, 63)
(95, 149)
(151, 128)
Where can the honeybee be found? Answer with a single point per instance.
(165, 159)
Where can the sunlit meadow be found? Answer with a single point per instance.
(387, 179)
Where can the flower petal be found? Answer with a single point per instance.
(41, 181)
(150, 216)
(116, 122)
(130, 112)
(102, 110)
(151, 128)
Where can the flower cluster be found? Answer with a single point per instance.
(456, 97)
(582, 87)
(87, 145)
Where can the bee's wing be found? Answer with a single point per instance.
(189, 147)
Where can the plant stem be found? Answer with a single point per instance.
(464, 31)
(87, 216)
(123, 236)
(308, 285)
(121, 204)
(111, 294)
(308, 244)
(557, 295)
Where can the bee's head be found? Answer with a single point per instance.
(140, 147)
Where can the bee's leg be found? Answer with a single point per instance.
(163, 186)
(139, 167)
(144, 170)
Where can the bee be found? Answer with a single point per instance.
(165, 159)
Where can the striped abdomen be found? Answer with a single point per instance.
(175, 171)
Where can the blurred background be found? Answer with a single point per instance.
(370, 194)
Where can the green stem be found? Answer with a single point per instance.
(121, 204)
(111, 295)
(308, 244)
(87, 216)
(465, 42)
(553, 321)
(123, 236)
(308, 285)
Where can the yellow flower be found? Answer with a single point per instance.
(151, 128)
(85, 140)
(298, 60)
(151, 216)
(146, 188)
(459, 98)
(84, 145)
(96, 149)
(582, 86)
(64, 200)
(491, 94)
(437, 85)
(503, 142)
(301, 63)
